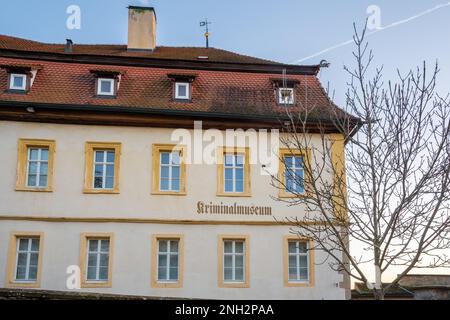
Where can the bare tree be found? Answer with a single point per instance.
(393, 197)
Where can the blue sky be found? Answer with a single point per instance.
(283, 30)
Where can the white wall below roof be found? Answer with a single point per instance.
(132, 258)
(131, 266)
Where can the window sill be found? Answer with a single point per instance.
(169, 193)
(168, 285)
(99, 191)
(16, 91)
(105, 96)
(96, 284)
(233, 195)
(13, 284)
(234, 285)
(26, 189)
(299, 284)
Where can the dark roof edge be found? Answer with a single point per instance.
(161, 63)
(164, 112)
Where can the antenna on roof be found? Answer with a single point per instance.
(205, 24)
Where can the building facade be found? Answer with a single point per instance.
(94, 183)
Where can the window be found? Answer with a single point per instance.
(233, 261)
(233, 172)
(299, 264)
(106, 86)
(286, 96)
(35, 165)
(292, 172)
(96, 260)
(169, 170)
(102, 167)
(167, 262)
(24, 260)
(18, 81)
(182, 90)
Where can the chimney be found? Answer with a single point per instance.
(141, 28)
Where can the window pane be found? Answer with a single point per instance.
(228, 261)
(239, 261)
(228, 246)
(93, 245)
(288, 161)
(98, 182)
(303, 262)
(105, 86)
(22, 259)
(304, 274)
(23, 244)
(164, 184)
(34, 154)
(32, 168)
(292, 247)
(299, 162)
(239, 274)
(103, 273)
(228, 174)
(34, 244)
(182, 90)
(34, 259)
(32, 273)
(289, 182)
(91, 273)
(44, 168)
(18, 82)
(110, 170)
(21, 273)
(165, 158)
(228, 185)
(162, 273)
(176, 185)
(229, 159)
(104, 245)
(175, 172)
(98, 170)
(240, 174)
(162, 260)
(228, 274)
(239, 247)
(99, 156)
(239, 160)
(239, 186)
(173, 246)
(174, 260)
(165, 172)
(303, 247)
(44, 154)
(92, 260)
(292, 261)
(43, 181)
(109, 182)
(32, 180)
(162, 245)
(104, 257)
(292, 273)
(173, 274)
(110, 156)
(176, 158)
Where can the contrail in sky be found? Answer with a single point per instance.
(394, 24)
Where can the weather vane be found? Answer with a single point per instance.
(205, 24)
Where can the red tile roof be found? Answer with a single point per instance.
(236, 93)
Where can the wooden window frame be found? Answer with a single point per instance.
(221, 151)
(22, 163)
(311, 266)
(26, 81)
(155, 283)
(156, 163)
(220, 254)
(306, 154)
(83, 260)
(11, 260)
(89, 166)
(113, 81)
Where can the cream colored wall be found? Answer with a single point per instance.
(131, 265)
(132, 260)
(135, 199)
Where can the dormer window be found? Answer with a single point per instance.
(182, 91)
(182, 86)
(286, 95)
(106, 87)
(18, 81)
